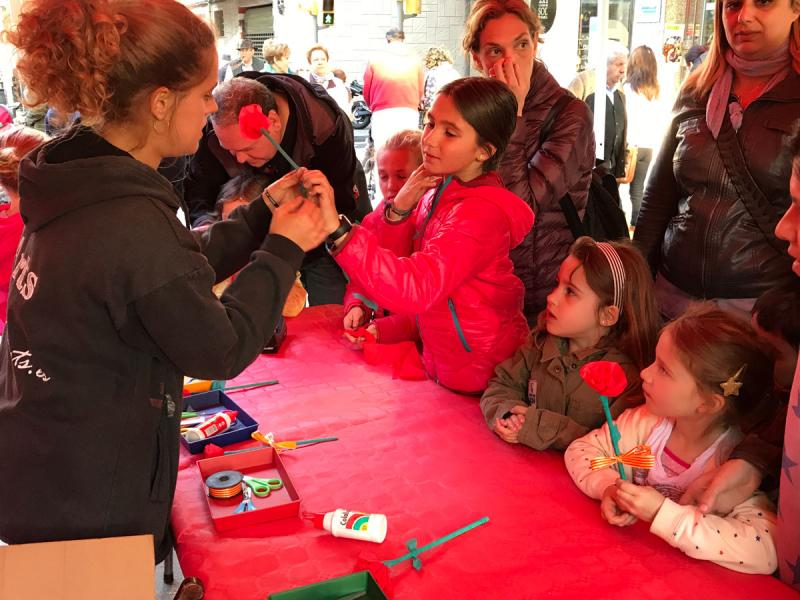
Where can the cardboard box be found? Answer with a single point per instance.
(118, 568)
(209, 403)
(359, 585)
(264, 463)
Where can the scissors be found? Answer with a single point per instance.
(262, 487)
(246, 504)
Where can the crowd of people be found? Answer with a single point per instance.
(469, 253)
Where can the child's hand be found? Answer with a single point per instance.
(505, 431)
(642, 501)
(354, 318)
(611, 511)
(359, 341)
(419, 182)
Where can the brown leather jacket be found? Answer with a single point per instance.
(542, 175)
(693, 227)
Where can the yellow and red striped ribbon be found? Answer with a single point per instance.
(640, 457)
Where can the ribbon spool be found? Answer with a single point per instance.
(224, 484)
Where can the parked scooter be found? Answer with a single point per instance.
(358, 107)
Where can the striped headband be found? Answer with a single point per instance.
(617, 270)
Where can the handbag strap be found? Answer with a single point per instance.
(567, 205)
(754, 200)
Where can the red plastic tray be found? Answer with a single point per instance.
(265, 463)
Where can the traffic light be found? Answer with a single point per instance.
(412, 7)
(327, 12)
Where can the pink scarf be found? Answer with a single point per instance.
(777, 64)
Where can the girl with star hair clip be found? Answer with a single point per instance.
(710, 373)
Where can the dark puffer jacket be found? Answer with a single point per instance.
(693, 227)
(542, 175)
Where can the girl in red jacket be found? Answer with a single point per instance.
(440, 263)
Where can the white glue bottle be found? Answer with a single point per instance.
(216, 424)
(351, 524)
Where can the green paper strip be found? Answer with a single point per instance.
(255, 384)
(294, 165)
(316, 441)
(416, 551)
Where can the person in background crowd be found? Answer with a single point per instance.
(247, 61)
(616, 116)
(645, 113)
(276, 57)
(342, 76)
(322, 75)
(393, 84)
(718, 186)
(501, 36)
(695, 56)
(583, 84)
(439, 72)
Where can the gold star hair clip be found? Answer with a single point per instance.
(732, 385)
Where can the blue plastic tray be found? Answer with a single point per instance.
(208, 403)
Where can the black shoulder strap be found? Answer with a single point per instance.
(754, 200)
(552, 115)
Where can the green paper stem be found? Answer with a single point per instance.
(615, 435)
(316, 441)
(416, 551)
(290, 160)
(248, 386)
(293, 164)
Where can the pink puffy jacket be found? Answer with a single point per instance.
(446, 277)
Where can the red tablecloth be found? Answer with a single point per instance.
(424, 457)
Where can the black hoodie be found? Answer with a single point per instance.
(110, 305)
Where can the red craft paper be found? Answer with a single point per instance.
(367, 561)
(410, 367)
(402, 356)
(252, 120)
(605, 377)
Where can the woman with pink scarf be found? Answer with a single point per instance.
(721, 181)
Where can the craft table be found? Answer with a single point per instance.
(424, 457)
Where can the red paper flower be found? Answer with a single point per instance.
(252, 120)
(605, 377)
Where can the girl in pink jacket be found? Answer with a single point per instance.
(711, 369)
(440, 262)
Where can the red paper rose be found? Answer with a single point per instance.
(605, 377)
(252, 120)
